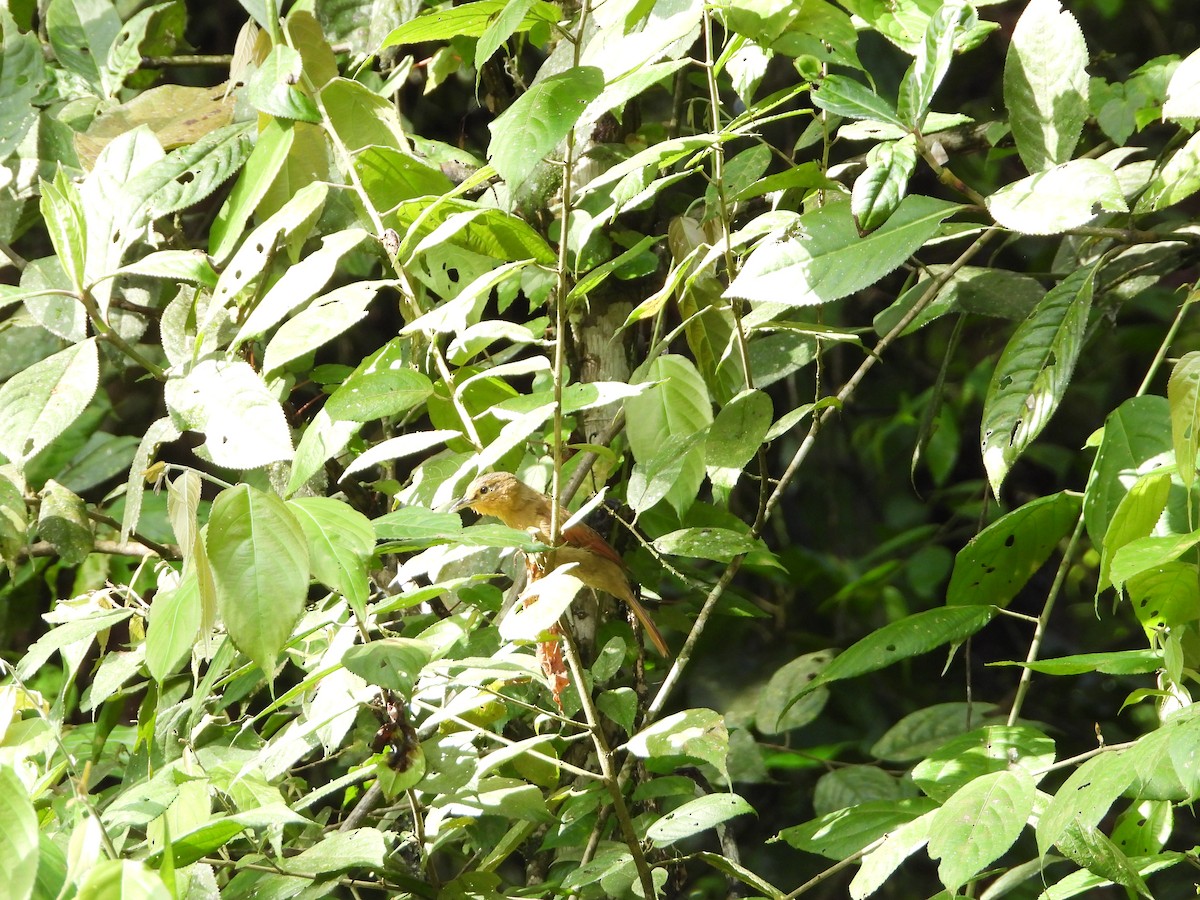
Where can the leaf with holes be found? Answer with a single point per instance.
(1033, 373)
(999, 561)
(242, 422)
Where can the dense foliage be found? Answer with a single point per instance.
(861, 329)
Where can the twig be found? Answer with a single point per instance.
(112, 548)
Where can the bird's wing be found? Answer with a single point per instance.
(586, 537)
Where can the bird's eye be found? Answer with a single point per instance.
(484, 489)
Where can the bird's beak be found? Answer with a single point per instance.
(459, 504)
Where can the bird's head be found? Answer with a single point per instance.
(494, 494)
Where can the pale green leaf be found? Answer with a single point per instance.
(696, 816)
(843, 96)
(62, 210)
(933, 57)
(987, 750)
(63, 521)
(175, 618)
(340, 543)
(230, 404)
(22, 75)
(272, 88)
(1046, 84)
(1033, 373)
(323, 439)
(1175, 181)
(328, 316)
(40, 402)
(259, 558)
(1183, 90)
(541, 605)
(81, 33)
(1135, 517)
(721, 544)
(1143, 554)
(840, 834)
(532, 127)
(391, 663)
(697, 733)
(299, 284)
(1183, 394)
(18, 836)
(897, 845)
(398, 447)
(265, 162)
(1059, 198)
(468, 20)
(738, 430)
(827, 259)
(1085, 797)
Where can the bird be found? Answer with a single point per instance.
(598, 565)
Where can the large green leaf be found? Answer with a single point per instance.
(843, 96)
(1059, 198)
(1085, 797)
(828, 260)
(271, 149)
(696, 816)
(329, 315)
(1001, 559)
(229, 403)
(879, 190)
(82, 33)
(979, 823)
(175, 618)
(910, 636)
(1033, 373)
(340, 543)
(933, 56)
(38, 403)
(840, 834)
(675, 409)
(1135, 517)
(1181, 101)
(540, 118)
(260, 564)
(1046, 84)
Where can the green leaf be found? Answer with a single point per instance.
(299, 284)
(64, 635)
(374, 395)
(500, 28)
(1183, 394)
(327, 317)
(1174, 182)
(22, 76)
(1091, 849)
(979, 823)
(82, 33)
(920, 733)
(1058, 199)
(721, 544)
(1001, 559)
(1135, 517)
(933, 57)
(398, 447)
(533, 126)
(829, 260)
(258, 248)
(259, 558)
(391, 663)
(1033, 373)
(488, 232)
(1085, 797)
(175, 618)
(38, 403)
(62, 210)
(340, 543)
(774, 711)
(843, 833)
(541, 605)
(468, 20)
(697, 733)
(878, 191)
(843, 96)
(63, 521)
(18, 836)
(242, 422)
(1182, 91)
(265, 162)
(994, 748)
(390, 176)
(1046, 84)
(1117, 662)
(272, 89)
(910, 636)
(1136, 440)
(738, 430)
(1147, 553)
(673, 412)
(174, 265)
(14, 519)
(696, 816)
(897, 846)
(359, 117)
(1165, 597)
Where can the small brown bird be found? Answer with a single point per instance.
(598, 565)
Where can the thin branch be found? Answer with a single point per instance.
(13, 256)
(112, 548)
